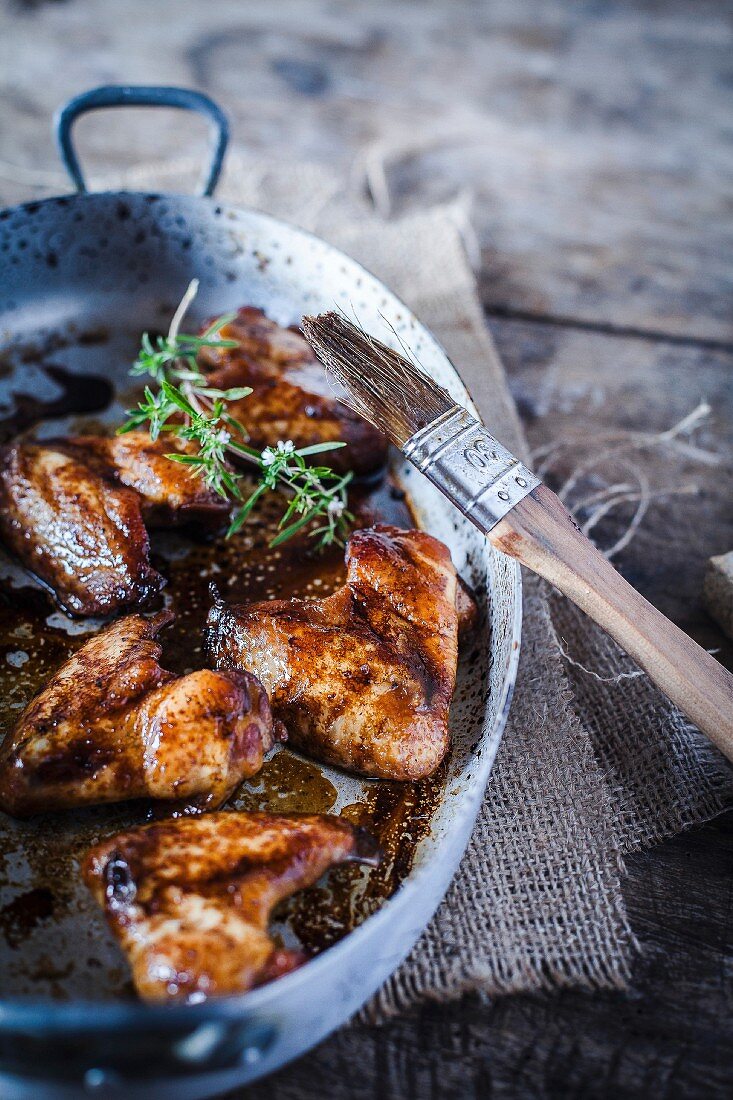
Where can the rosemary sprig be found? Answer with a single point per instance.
(196, 413)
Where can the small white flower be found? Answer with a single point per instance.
(335, 508)
(222, 436)
(270, 454)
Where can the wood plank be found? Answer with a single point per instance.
(593, 137)
(572, 384)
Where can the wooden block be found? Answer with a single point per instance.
(718, 590)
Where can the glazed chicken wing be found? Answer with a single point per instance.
(291, 396)
(169, 495)
(113, 725)
(74, 511)
(365, 677)
(79, 532)
(190, 899)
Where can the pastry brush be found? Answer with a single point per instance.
(521, 516)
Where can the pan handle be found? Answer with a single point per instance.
(125, 95)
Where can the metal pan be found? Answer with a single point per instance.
(118, 262)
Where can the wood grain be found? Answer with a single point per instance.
(576, 389)
(540, 534)
(591, 137)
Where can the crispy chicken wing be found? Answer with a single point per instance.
(79, 532)
(291, 396)
(113, 725)
(365, 677)
(190, 899)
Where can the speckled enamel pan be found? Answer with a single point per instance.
(118, 262)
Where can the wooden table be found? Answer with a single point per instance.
(592, 139)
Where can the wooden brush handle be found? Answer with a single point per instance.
(541, 535)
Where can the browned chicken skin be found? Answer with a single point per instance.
(74, 512)
(168, 493)
(79, 532)
(190, 900)
(364, 678)
(291, 397)
(113, 725)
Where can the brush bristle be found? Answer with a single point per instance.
(381, 385)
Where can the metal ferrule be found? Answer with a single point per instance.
(470, 467)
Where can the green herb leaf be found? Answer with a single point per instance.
(319, 448)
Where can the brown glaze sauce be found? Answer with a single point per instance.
(399, 815)
(20, 916)
(34, 641)
(78, 394)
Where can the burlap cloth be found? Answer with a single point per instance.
(591, 766)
